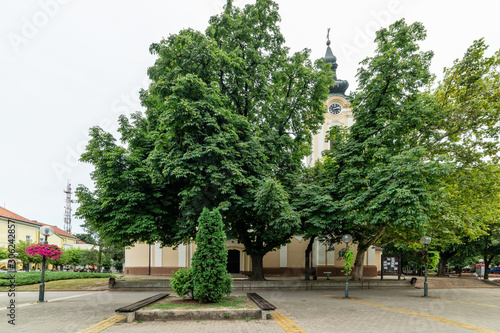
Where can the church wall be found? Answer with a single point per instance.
(137, 259)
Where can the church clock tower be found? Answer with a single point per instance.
(338, 108)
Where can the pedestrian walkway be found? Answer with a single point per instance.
(314, 311)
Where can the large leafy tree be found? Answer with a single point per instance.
(378, 174)
(229, 116)
(470, 204)
(389, 169)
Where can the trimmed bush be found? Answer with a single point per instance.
(210, 277)
(182, 282)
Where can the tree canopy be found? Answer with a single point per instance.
(387, 173)
(229, 116)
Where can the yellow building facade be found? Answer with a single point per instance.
(29, 231)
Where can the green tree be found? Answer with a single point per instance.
(378, 174)
(4, 253)
(388, 170)
(469, 205)
(488, 246)
(72, 256)
(229, 116)
(87, 237)
(211, 281)
(24, 257)
(115, 255)
(88, 258)
(313, 201)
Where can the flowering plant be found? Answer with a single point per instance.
(48, 250)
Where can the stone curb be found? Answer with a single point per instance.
(163, 285)
(215, 314)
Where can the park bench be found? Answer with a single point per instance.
(130, 309)
(266, 307)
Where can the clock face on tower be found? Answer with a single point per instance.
(334, 108)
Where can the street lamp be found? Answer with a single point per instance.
(426, 240)
(45, 231)
(346, 239)
(481, 269)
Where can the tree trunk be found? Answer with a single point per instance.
(443, 260)
(99, 257)
(308, 257)
(257, 268)
(357, 272)
(441, 266)
(486, 268)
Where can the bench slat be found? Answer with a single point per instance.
(140, 304)
(261, 302)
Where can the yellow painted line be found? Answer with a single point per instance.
(426, 316)
(101, 326)
(286, 323)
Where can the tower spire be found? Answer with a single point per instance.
(340, 85)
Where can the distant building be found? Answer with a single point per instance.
(29, 231)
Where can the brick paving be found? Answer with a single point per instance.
(315, 311)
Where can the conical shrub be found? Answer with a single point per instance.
(210, 277)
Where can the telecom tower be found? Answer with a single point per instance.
(67, 209)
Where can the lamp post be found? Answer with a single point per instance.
(15, 261)
(346, 239)
(426, 240)
(45, 231)
(481, 269)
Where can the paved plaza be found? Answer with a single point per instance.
(367, 310)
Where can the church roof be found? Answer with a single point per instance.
(340, 86)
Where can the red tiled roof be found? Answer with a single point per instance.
(11, 215)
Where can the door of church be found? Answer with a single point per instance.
(233, 261)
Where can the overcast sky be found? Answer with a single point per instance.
(68, 65)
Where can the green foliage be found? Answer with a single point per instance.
(468, 106)
(87, 258)
(118, 265)
(23, 256)
(72, 256)
(25, 278)
(4, 253)
(182, 282)
(211, 281)
(87, 238)
(229, 117)
(378, 176)
(349, 259)
(433, 260)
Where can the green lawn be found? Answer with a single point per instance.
(26, 278)
(231, 302)
(73, 284)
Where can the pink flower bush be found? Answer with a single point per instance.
(48, 250)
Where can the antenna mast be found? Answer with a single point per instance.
(67, 209)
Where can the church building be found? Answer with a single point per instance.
(289, 260)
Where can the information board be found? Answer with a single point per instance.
(391, 265)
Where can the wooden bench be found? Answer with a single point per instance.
(130, 309)
(266, 307)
